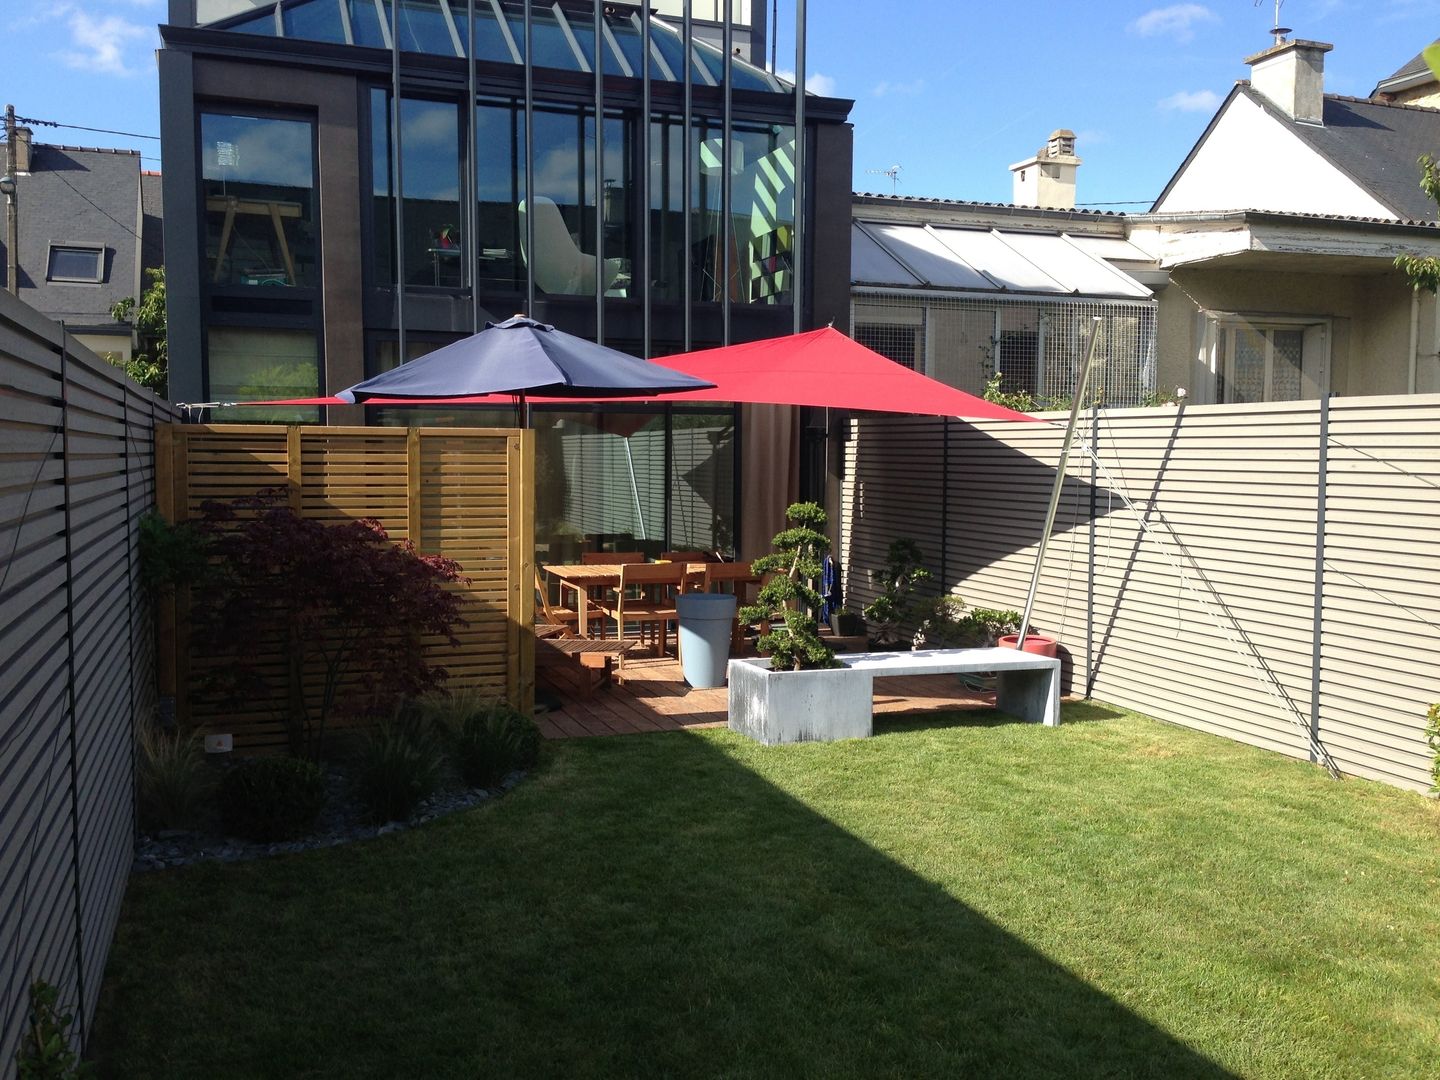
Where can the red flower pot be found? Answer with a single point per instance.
(1034, 643)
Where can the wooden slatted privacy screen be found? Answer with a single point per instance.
(76, 658)
(463, 493)
(1291, 581)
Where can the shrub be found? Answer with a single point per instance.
(273, 798)
(171, 779)
(488, 737)
(1432, 736)
(795, 645)
(947, 625)
(904, 569)
(398, 765)
(45, 1053)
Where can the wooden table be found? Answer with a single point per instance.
(586, 576)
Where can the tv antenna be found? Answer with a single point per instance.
(893, 172)
(1278, 30)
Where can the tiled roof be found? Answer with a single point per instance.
(1415, 66)
(980, 205)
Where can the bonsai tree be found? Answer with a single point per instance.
(344, 606)
(790, 598)
(948, 625)
(904, 569)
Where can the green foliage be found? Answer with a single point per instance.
(273, 798)
(1423, 273)
(171, 555)
(904, 569)
(948, 625)
(150, 366)
(1432, 736)
(45, 1053)
(398, 766)
(488, 737)
(1152, 399)
(790, 597)
(172, 781)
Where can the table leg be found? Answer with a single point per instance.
(1032, 694)
(225, 230)
(284, 246)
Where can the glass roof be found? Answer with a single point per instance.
(983, 260)
(563, 38)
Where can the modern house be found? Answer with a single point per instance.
(89, 226)
(350, 183)
(1279, 233)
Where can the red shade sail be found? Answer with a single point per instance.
(823, 368)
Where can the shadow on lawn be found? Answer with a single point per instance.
(645, 906)
(983, 716)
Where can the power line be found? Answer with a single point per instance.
(81, 127)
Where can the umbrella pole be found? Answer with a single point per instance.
(1080, 383)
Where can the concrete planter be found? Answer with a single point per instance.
(775, 707)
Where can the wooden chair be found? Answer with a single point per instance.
(602, 558)
(646, 595)
(558, 614)
(739, 577)
(686, 556)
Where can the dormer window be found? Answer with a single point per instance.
(76, 263)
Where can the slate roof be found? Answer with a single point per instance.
(79, 195)
(1373, 143)
(1415, 66)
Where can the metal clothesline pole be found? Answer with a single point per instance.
(1080, 383)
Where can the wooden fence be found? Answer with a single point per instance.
(1277, 582)
(76, 658)
(466, 494)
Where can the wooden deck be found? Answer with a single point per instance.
(655, 697)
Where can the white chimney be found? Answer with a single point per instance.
(1291, 76)
(1048, 178)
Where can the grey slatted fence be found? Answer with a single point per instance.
(76, 657)
(1278, 577)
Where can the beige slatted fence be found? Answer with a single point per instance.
(1212, 615)
(466, 494)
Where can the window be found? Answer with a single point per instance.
(1270, 359)
(76, 263)
(258, 188)
(262, 365)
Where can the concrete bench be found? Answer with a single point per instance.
(836, 703)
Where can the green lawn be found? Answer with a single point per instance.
(966, 897)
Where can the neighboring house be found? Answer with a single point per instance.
(961, 290)
(1413, 84)
(82, 215)
(1279, 232)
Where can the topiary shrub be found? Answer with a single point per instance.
(269, 799)
(397, 767)
(488, 738)
(904, 569)
(795, 645)
(1432, 736)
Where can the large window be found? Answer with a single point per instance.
(258, 191)
(430, 189)
(1269, 359)
(248, 364)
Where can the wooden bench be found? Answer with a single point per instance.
(576, 665)
(836, 703)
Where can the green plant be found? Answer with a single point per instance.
(150, 367)
(45, 1053)
(904, 569)
(488, 737)
(1423, 271)
(1432, 736)
(796, 645)
(171, 779)
(398, 765)
(948, 625)
(171, 555)
(273, 798)
(848, 624)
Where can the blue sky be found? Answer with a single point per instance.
(953, 92)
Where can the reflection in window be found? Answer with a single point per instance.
(430, 170)
(565, 262)
(247, 364)
(385, 356)
(259, 190)
(702, 481)
(1269, 363)
(500, 180)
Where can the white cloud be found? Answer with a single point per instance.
(815, 82)
(901, 89)
(1191, 101)
(1177, 21)
(101, 43)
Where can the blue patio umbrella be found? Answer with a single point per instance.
(521, 356)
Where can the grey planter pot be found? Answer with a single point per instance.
(775, 707)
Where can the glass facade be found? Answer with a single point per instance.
(249, 364)
(258, 193)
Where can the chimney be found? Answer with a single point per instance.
(1291, 76)
(23, 137)
(1048, 178)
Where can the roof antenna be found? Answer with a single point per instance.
(1278, 30)
(893, 172)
